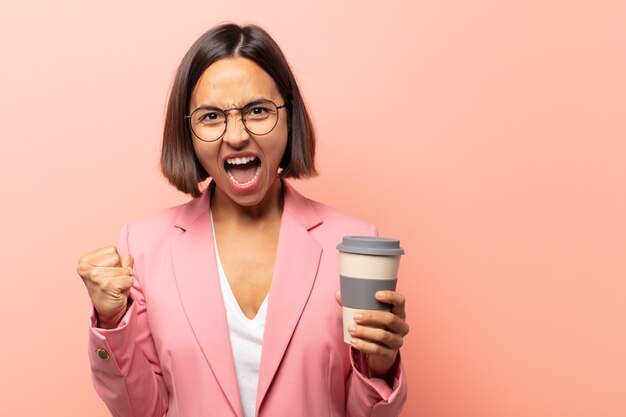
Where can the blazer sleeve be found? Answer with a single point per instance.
(372, 397)
(125, 367)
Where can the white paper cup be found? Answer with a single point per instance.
(367, 264)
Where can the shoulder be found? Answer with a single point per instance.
(323, 221)
(336, 224)
(163, 218)
(142, 233)
(333, 218)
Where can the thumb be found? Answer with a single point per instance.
(338, 297)
(127, 262)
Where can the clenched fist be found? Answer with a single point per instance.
(108, 278)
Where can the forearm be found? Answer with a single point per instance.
(125, 370)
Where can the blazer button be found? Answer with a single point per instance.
(102, 353)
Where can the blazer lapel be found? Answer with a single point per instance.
(195, 271)
(297, 261)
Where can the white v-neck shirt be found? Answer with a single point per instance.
(246, 339)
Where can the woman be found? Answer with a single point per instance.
(223, 306)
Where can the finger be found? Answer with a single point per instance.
(382, 319)
(107, 249)
(109, 260)
(105, 259)
(338, 297)
(372, 348)
(381, 336)
(394, 298)
(103, 250)
(106, 254)
(102, 274)
(127, 262)
(119, 285)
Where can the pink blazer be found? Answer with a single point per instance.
(171, 353)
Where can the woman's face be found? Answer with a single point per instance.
(243, 165)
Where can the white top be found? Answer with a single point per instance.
(246, 340)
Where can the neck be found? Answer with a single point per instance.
(226, 210)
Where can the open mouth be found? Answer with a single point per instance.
(243, 171)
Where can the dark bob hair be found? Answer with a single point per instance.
(179, 163)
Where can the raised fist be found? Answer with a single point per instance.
(108, 278)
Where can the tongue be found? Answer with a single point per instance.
(243, 173)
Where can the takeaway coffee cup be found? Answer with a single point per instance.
(367, 264)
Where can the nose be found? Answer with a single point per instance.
(236, 134)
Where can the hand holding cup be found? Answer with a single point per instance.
(379, 334)
(373, 312)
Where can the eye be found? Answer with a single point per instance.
(210, 117)
(258, 112)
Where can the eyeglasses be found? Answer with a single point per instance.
(259, 117)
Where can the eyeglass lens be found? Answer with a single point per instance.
(209, 123)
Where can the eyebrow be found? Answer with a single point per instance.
(211, 107)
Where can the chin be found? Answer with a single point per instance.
(247, 200)
(253, 198)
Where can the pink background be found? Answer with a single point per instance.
(489, 137)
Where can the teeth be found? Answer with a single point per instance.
(256, 174)
(240, 161)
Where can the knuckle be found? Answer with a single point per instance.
(386, 337)
(115, 281)
(95, 274)
(391, 320)
(128, 282)
(378, 319)
(115, 257)
(83, 264)
(110, 249)
(107, 285)
(91, 276)
(107, 259)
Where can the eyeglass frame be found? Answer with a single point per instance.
(243, 120)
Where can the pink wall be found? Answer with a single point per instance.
(489, 137)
